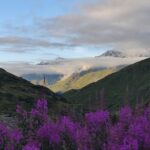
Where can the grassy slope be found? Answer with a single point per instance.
(131, 83)
(15, 90)
(79, 81)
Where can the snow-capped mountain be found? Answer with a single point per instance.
(121, 54)
(67, 67)
(113, 53)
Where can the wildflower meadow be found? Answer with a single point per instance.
(127, 129)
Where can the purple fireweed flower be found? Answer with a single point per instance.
(140, 130)
(146, 140)
(9, 147)
(97, 117)
(125, 114)
(117, 133)
(129, 143)
(83, 139)
(42, 105)
(130, 132)
(31, 146)
(4, 135)
(139, 127)
(3, 129)
(21, 112)
(49, 132)
(147, 112)
(15, 136)
(19, 109)
(34, 112)
(41, 115)
(40, 111)
(95, 120)
(66, 125)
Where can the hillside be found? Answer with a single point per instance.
(129, 85)
(15, 90)
(77, 81)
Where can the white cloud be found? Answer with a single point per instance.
(120, 24)
(68, 66)
(24, 44)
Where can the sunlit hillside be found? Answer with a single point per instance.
(78, 81)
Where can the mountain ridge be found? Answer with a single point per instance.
(79, 80)
(16, 90)
(112, 53)
(130, 84)
(121, 54)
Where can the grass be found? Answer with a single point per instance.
(80, 80)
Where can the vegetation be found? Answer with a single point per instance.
(15, 90)
(86, 122)
(80, 80)
(129, 129)
(130, 84)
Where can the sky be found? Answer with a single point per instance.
(35, 30)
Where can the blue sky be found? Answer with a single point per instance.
(17, 15)
(34, 30)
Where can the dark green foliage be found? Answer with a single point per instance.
(15, 90)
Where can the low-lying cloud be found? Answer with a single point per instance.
(68, 66)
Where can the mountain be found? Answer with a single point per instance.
(38, 78)
(121, 54)
(113, 53)
(129, 85)
(68, 66)
(79, 80)
(57, 60)
(65, 74)
(15, 90)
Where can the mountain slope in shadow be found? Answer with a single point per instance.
(16, 90)
(129, 85)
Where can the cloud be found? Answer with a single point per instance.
(22, 44)
(68, 66)
(116, 23)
